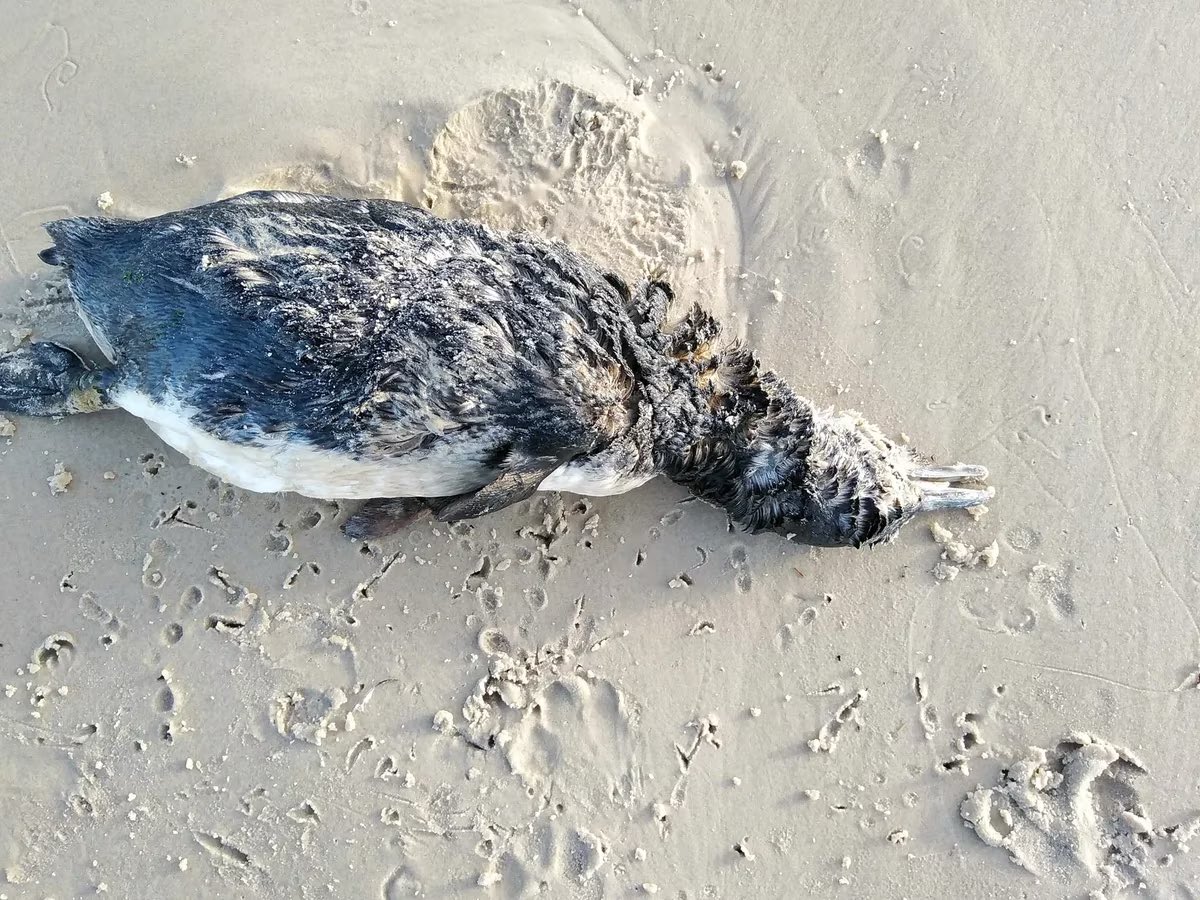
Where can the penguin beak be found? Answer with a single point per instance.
(937, 492)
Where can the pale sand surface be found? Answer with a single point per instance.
(974, 222)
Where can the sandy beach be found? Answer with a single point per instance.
(976, 225)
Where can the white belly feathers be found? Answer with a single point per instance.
(275, 463)
(278, 464)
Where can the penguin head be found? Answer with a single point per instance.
(851, 487)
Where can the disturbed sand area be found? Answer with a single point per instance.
(970, 224)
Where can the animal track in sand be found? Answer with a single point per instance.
(848, 713)
(235, 594)
(293, 576)
(927, 712)
(92, 610)
(970, 735)
(279, 540)
(224, 624)
(310, 714)
(742, 579)
(792, 634)
(579, 732)
(969, 744)
(704, 734)
(1023, 539)
(877, 171)
(1074, 813)
(992, 609)
(402, 884)
(913, 259)
(228, 499)
(551, 858)
(1052, 586)
(931, 720)
(190, 599)
(490, 597)
(670, 517)
(55, 654)
(152, 463)
(478, 577)
(222, 851)
(168, 701)
(563, 729)
(537, 598)
(178, 515)
(155, 562)
(309, 519)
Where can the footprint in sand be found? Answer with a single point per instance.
(877, 171)
(555, 860)
(564, 730)
(1051, 585)
(994, 610)
(1074, 814)
(579, 732)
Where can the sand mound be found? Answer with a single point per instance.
(558, 160)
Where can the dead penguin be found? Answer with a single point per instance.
(366, 349)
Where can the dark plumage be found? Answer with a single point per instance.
(367, 349)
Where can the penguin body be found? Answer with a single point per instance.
(367, 349)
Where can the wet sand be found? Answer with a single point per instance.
(976, 226)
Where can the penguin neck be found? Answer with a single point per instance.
(729, 431)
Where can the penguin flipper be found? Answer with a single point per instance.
(383, 516)
(516, 483)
